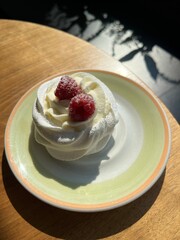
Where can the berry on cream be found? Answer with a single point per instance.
(79, 124)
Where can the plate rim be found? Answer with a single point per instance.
(99, 206)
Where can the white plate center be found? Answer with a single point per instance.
(120, 153)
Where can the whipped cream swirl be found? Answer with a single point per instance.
(68, 140)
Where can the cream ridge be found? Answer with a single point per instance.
(67, 140)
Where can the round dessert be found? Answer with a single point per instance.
(74, 116)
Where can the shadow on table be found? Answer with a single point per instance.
(74, 225)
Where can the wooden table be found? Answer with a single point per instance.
(30, 53)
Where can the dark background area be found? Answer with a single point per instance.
(154, 21)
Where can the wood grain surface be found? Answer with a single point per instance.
(30, 53)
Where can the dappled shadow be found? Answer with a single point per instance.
(82, 19)
(76, 17)
(151, 66)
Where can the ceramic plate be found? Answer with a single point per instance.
(130, 164)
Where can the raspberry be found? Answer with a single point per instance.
(67, 88)
(81, 107)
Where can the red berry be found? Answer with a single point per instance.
(81, 107)
(67, 88)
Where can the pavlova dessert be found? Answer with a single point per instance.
(74, 115)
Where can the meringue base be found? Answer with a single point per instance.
(72, 155)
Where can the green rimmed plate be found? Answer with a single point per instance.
(130, 164)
